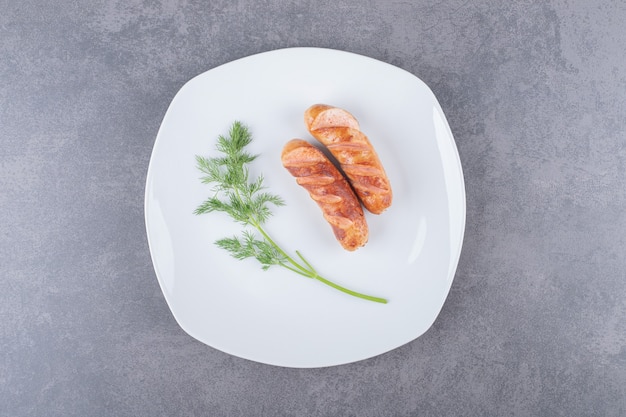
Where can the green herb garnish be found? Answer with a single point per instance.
(248, 204)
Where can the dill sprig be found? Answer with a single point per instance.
(248, 203)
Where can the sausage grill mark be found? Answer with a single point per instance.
(339, 131)
(329, 189)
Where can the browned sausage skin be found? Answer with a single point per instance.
(339, 131)
(329, 189)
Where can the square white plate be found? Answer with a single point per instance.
(275, 316)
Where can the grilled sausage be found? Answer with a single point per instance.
(330, 190)
(339, 131)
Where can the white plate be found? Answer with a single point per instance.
(278, 317)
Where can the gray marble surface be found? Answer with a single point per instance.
(535, 323)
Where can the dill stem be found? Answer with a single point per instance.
(278, 248)
(347, 291)
(310, 272)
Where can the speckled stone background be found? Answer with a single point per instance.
(535, 323)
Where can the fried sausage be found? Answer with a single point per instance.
(330, 190)
(339, 131)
